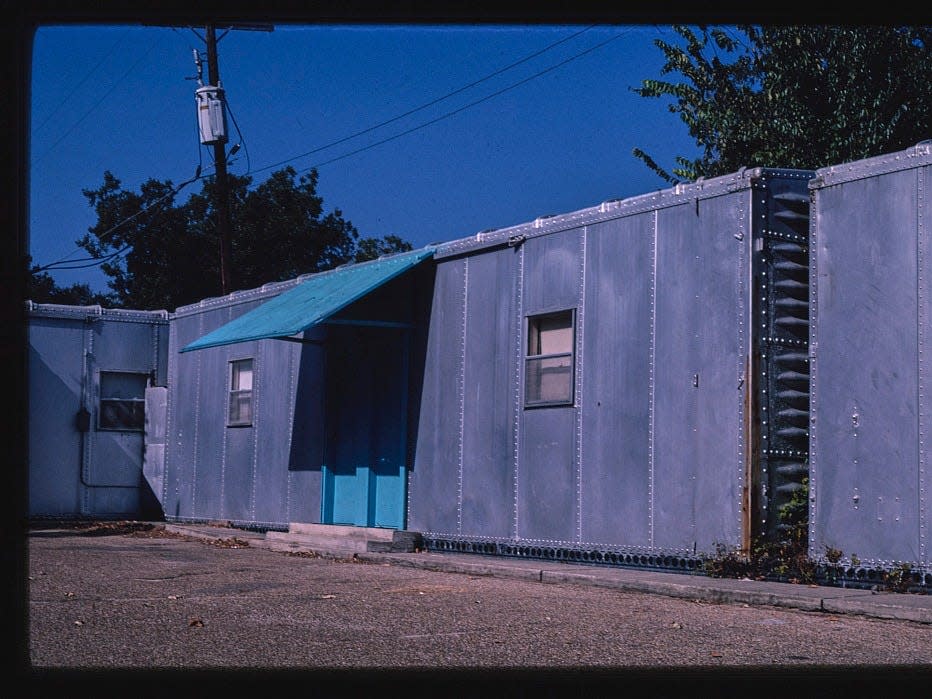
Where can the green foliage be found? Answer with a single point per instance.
(160, 254)
(41, 288)
(786, 558)
(900, 578)
(373, 248)
(793, 96)
(727, 563)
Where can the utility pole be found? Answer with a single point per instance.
(215, 101)
(224, 220)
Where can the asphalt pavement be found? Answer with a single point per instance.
(812, 598)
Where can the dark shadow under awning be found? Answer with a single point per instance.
(312, 301)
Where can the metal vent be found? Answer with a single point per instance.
(784, 360)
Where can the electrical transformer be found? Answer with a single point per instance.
(211, 114)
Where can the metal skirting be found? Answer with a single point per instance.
(568, 554)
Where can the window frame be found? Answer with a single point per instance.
(237, 393)
(139, 402)
(529, 324)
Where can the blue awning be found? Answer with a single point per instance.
(312, 301)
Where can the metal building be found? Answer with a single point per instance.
(623, 384)
(293, 402)
(871, 270)
(628, 383)
(91, 372)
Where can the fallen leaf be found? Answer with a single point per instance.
(716, 654)
(196, 622)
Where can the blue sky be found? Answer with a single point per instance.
(116, 98)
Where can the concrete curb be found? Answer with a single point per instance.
(880, 605)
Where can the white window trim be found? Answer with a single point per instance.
(563, 402)
(231, 392)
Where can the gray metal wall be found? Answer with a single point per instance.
(266, 474)
(652, 455)
(870, 280)
(93, 473)
(269, 474)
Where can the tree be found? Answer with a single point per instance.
(41, 288)
(794, 96)
(161, 255)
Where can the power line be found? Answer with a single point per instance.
(470, 105)
(79, 84)
(63, 261)
(427, 104)
(98, 102)
(242, 139)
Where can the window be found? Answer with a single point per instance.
(240, 393)
(122, 401)
(549, 363)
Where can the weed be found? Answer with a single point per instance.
(898, 579)
(786, 558)
(726, 563)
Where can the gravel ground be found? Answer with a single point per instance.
(151, 599)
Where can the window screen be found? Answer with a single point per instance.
(549, 362)
(240, 393)
(122, 401)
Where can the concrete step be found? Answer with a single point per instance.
(342, 539)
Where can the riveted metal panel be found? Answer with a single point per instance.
(75, 467)
(551, 272)
(211, 418)
(547, 497)
(868, 338)
(184, 393)
(434, 486)
(698, 420)
(117, 455)
(273, 406)
(615, 424)
(682, 265)
(55, 396)
(548, 493)
(153, 462)
(239, 460)
(307, 437)
(487, 484)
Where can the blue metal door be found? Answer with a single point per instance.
(365, 472)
